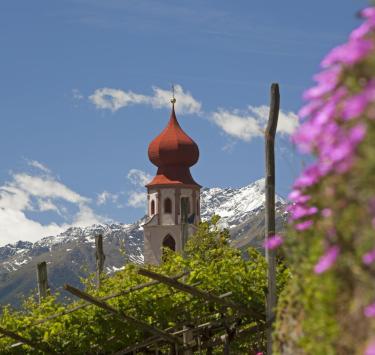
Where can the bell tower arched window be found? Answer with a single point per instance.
(169, 242)
(167, 205)
(152, 207)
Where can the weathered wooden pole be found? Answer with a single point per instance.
(270, 134)
(100, 258)
(42, 279)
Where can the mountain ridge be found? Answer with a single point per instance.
(71, 255)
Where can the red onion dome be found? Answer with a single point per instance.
(173, 152)
(173, 146)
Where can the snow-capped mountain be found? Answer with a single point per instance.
(234, 205)
(71, 255)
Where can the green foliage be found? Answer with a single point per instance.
(213, 265)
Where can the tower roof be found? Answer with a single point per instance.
(173, 152)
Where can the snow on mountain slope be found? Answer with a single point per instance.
(130, 236)
(234, 205)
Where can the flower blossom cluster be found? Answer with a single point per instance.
(273, 241)
(332, 127)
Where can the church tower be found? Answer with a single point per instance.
(173, 152)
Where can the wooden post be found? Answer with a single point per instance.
(187, 338)
(100, 257)
(270, 134)
(43, 288)
(226, 345)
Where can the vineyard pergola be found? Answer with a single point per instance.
(234, 321)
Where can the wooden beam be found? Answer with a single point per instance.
(37, 346)
(43, 288)
(192, 345)
(199, 293)
(139, 345)
(222, 339)
(122, 316)
(270, 134)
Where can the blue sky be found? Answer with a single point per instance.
(73, 153)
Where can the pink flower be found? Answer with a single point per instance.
(300, 211)
(361, 31)
(273, 242)
(369, 311)
(327, 81)
(370, 350)
(303, 225)
(349, 53)
(326, 113)
(369, 257)
(369, 12)
(330, 75)
(306, 136)
(357, 133)
(326, 212)
(327, 260)
(309, 108)
(309, 177)
(295, 194)
(297, 197)
(355, 106)
(344, 166)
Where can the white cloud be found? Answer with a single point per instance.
(287, 122)
(251, 123)
(25, 192)
(47, 205)
(39, 165)
(14, 226)
(45, 187)
(138, 197)
(139, 178)
(114, 99)
(185, 101)
(106, 196)
(77, 95)
(244, 125)
(86, 217)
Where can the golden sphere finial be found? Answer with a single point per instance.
(173, 99)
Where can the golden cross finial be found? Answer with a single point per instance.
(173, 99)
